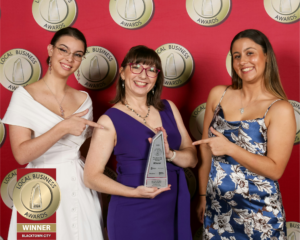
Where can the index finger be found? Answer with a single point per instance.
(201, 141)
(93, 124)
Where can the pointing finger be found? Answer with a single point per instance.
(93, 124)
(215, 132)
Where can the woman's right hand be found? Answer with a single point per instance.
(149, 192)
(75, 124)
(201, 209)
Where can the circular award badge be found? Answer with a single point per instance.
(19, 67)
(208, 12)
(228, 63)
(7, 188)
(293, 230)
(131, 14)
(98, 70)
(177, 64)
(54, 15)
(36, 196)
(283, 11)
(196, 121)
(2, 133)
(199, 234)
(191, 181)
(296, 106)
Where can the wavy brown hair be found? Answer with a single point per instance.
(271, 75)
(143, 55)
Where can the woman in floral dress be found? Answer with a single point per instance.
(249, 130)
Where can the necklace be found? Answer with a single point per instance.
(62, 111)
(144, 118)
(242, 109)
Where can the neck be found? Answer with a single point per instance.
(136, 101)
(55, 83)
(252, 91)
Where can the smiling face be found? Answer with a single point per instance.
(62, 65)
(249, 60)
(137, 84)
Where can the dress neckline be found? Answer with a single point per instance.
(87, 97)
(139, 121)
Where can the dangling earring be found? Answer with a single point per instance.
(153, 90)
(50, 65)
(78, 75)
(123, 86)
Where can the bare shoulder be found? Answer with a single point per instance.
(215, 95)
(34, 88)
(78, 95)
(173, 106)
(281, 108)
(106, 122)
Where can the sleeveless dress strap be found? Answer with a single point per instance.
(271, 106)
(223, 94)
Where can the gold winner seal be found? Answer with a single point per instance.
(191, 181)
(2, 132)
(208, 12)
(54, 15)
(131, 14)
(293, 230)
(296, 106)
(196, 121)
(283, 11)
(19, 67)
(36, 196)
(7, 188)
(177, 64)
(98, 70)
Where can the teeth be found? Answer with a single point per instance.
(66, 65)
(247, 69)
(140, 83)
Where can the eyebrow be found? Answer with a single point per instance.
(68, 48)
(245, 50)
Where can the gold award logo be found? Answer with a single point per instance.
(283, 11)
(19, 67)
(131, 14)
(54, 15)
(196, 121)
(191, 181)
(293, 230)
(296, 106)
(177, 64)
(2, 132)
(98, 70)
(208, 12)
(228, 63)
(7, 188)
(36, 196)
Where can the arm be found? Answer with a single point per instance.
(101, 147)
(26, 149)
(187, 154)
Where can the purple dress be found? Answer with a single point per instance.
(167, 216)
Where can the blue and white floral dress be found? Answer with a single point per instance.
(242, 204)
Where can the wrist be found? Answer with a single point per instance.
(62, 128)
(172, 155)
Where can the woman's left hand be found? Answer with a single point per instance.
(169, 153)
(219, 145)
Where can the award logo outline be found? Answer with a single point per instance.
(36, 196)
(2, 133)
(293, 230)
(19, 67)
(98, 70)
(54, 15)
(196, 121)
(177, 64)
(208, 13)
(296, 106)
(283, 11)
(7, 187)
(131, 14)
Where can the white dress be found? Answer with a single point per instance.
(79, 215)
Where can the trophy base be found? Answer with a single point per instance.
(156, 182)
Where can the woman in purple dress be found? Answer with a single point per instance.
(135, 211)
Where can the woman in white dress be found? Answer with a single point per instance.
(48, 122)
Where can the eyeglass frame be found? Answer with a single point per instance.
(68, 53)
(130, 64)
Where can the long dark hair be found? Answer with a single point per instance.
(144, 55)
(68, 31)
(271, 75)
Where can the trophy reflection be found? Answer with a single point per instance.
(285, 6)
(18, 74)
(130, 11)
(53, 14)
(156, 172)
(36, 198)
(207, 8)
(170, 69)
(292, 236)
(94, 73)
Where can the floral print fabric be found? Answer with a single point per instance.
(242, 204)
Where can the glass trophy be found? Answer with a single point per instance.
(18, 74)
(207, 8)
(130, 11)
(156, 172)
(36, 197)
(292, 236)
(170, 69)
(53, 11)
(94, 73)
(285, 6)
